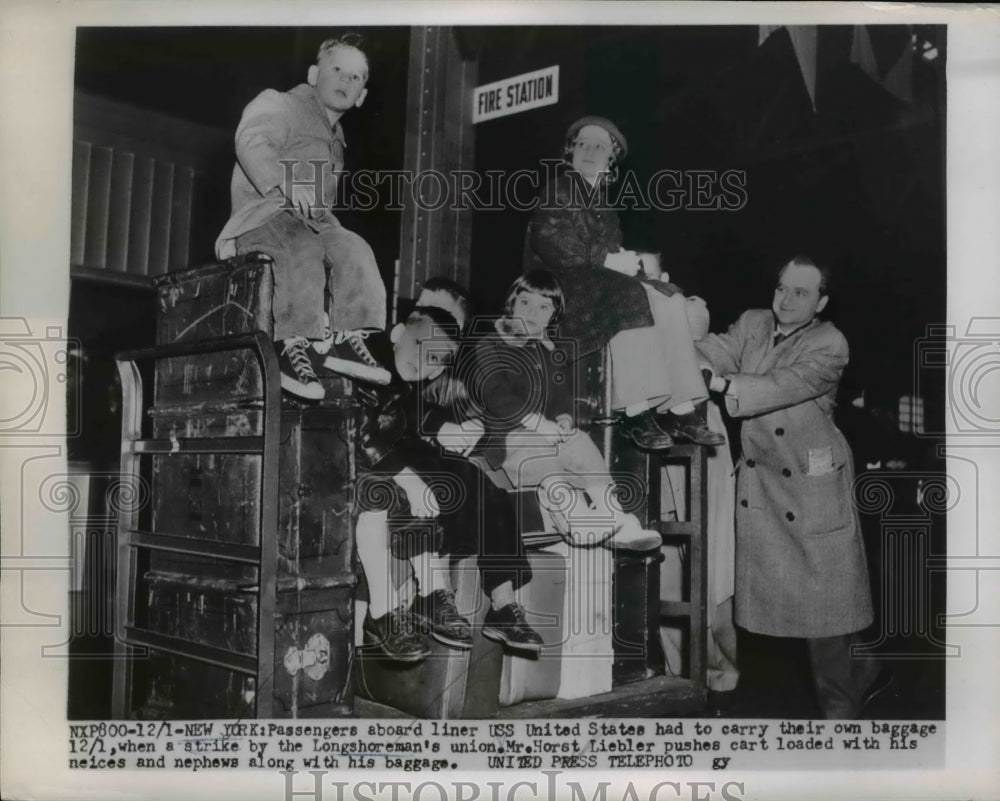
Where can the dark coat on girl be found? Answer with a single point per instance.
(510, 382)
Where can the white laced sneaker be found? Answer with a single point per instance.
(297, 374)
(348, 355)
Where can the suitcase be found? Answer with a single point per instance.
(588, 651)
(314, 653)
(638, 651)
(526, 678)
(568, 602)
(450, 683)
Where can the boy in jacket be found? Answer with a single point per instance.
(289, 154)
(406, 477)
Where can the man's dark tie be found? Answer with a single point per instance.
(779, 338)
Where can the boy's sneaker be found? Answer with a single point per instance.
(509, 626)
(347, 354)
(438, 614)
(297, 374)
(394, 636)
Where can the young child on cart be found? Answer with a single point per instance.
(289, 154)
(406, 477)
(521, 381)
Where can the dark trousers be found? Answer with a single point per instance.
(840, 679)
(476, 517)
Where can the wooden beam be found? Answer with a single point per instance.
(439, 141)
(112, 278)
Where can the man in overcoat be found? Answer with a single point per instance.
(800, 558)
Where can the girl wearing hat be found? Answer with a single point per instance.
(574, 233)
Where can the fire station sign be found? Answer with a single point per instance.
(513, 95)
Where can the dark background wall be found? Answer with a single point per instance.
(858, 181)
(208, 75)
(177, 94)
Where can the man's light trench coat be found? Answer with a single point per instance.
(800, 561)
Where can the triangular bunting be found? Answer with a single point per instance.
(887, 58)
(889, 42)
(862, 53)
(804, 41)
(765, 32)
(804, 44)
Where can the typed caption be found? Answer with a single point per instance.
(435, 746)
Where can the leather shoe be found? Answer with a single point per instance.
(690, 427)
(439, 617)
(883, 681)
(394, 636)
(510, 626)
(646, 433)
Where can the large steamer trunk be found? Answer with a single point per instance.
(216, 500)
(218, 300)
(311, 626)
(216, 496)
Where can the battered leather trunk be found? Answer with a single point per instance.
(636, 592)
(203, 602)
(313, 650)
(216, 497)
(176, 688)
(217, 300)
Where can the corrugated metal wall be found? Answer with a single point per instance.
(136, 177)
